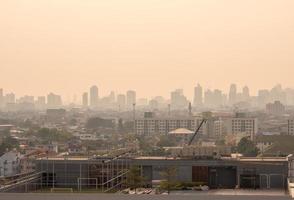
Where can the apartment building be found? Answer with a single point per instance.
(248, 125)
(214, 127)
(291, 127)
(149, 126)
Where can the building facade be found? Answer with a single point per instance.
(94, 96)
(291, 127)
(229, 173)
(149, 126)
(246, 125)
(276, 108)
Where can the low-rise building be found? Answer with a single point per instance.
(10, 163)
(291, 127)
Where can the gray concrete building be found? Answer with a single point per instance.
(228, 172)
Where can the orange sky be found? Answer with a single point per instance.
(152, 46)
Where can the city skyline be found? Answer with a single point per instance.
(201, 96)
(128, 44)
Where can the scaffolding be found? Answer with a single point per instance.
(100, 174)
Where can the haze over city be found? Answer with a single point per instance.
(147, 99)
(66, 46)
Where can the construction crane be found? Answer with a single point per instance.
(196, 132)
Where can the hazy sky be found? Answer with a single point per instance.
(152, 46)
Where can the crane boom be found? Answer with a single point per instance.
(196, 132)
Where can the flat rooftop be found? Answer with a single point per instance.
(185, 196)
(241, 159)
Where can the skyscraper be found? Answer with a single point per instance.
(10, 98)
(131, 99)
(85, 99)
(178, 99)
(121, 101)
(53, 100)
(245, 93)
(112, 97)
(94, 96)
(41, 102)
(233, 94)
(198, 96)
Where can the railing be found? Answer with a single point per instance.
(20, 181)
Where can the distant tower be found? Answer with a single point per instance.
(233, 94)
(85, 99)
(94, 96)
(53, 100)
(168, 106)
(121, 101)
(245, 93)
(198, 96)
(131, 98)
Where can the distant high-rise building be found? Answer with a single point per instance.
(26, 99)
(94, 96)
(153, 104)
(178, 100)
(277, 94)
(131, 98)
(218, 98)
(233, 94)
(198, 96)
(41, 102)
(245, 93)
(208, 98)
(85, 99)
(1, 97)
(54, 100)
(9, 98)
(263, 97)
(275, 108)
(112, 97)
(121, 101)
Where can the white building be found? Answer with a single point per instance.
(149, 126)
(247, 125)
(86, 136)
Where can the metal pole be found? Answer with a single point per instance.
(79, 186)
(53, 174)
(102, 181)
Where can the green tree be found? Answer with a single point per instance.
(134, 178)
(166, 141)
(247, 147)
(49, 135)
(97, 122)
(8, 143)
(169, 175)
